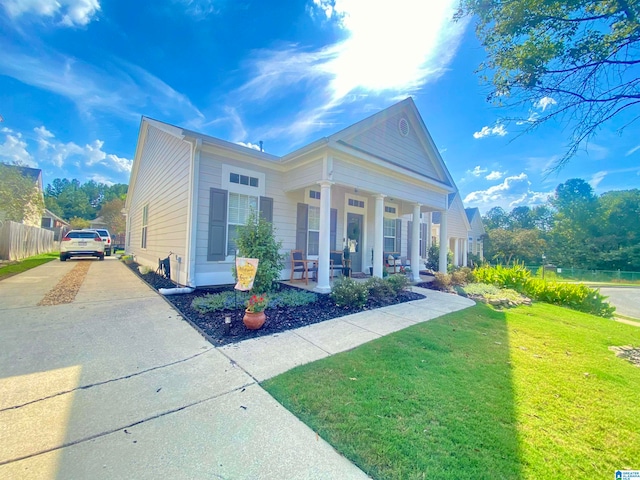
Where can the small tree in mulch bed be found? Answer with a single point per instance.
(256, 239)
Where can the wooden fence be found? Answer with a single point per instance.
(18, 241)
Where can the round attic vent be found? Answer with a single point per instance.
(403, 126)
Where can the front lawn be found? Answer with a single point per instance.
(20, 266)
(530, 392)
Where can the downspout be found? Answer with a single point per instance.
(192, 212)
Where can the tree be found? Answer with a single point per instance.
(78, 223)
(581, 55)
(496, 218)
(111, 213)
(20, 198)
(505, 246)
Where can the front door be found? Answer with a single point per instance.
(354, 240)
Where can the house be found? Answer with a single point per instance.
(53, 222)
(457, 229)
(477, 232)
(32, 201)
(372, 187)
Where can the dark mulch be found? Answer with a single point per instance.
(279, 319)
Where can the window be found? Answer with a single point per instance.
(314, 194)
(470, 245)
(145, 219)
(46, 222)
(313, 242)
(356, 203)
(390, 209)
(389, 234)
(239, 208)
(243, 179)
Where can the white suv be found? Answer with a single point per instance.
(106, 238)
(81, 243)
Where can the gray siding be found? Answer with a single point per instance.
(162, 182)
(384, 140)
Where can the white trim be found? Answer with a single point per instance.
(258, 191)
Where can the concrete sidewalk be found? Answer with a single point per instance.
(117, 385)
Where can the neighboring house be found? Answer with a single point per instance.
(372, 186)
(477, 232)
(98, 223)
(32, 213)
(51, 221)
(457, 229)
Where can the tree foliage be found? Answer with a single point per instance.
(69, 198)
(583, 56)
(576, 228)
(19, 196)
(111, 213)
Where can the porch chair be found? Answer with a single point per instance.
(302, 266)
(336, 261)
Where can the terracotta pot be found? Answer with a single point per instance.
(253, 320)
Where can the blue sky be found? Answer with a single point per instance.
(76, 76)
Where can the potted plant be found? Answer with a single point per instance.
(254, 315)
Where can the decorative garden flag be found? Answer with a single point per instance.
(246, 269)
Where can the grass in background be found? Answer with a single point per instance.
(531, 392)
(26, 264)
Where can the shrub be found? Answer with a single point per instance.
(514, 277)
(379, 288)
(398, 283)
(499, 297)
(256, 239)
(442, 281)
(573, 295)
(216, 302)
(292, 298)
(433, 258)
(461, 276)
(349, 294)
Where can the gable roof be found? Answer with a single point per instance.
(472, 212)
(34, 174)
(49, 213)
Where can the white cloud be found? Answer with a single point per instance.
(597, 178)
(512, 192)
(386, 51)
(544, 102)
(101, 179)
(497, 129)
(495, 175)
(632, 151)
(249, 145)
(200, 9)
(477, 171)
(69, 13)
(122, 88)
(14, 149)
(59, 153)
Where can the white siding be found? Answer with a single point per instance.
(384, 140)
(304, 175)
(284, 215)
(162, 182)
(367, 179)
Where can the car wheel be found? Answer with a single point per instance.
(63, 258)
(101, 257)
(108, 253)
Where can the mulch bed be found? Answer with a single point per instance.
(279, 319)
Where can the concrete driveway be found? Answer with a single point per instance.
(116, 385)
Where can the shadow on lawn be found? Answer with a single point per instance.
(431, 401)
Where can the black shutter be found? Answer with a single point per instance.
(302, 222)
(216, 250)
(266, 208)
(425, 240)
(334, 225)
(409, 237)
(398, 235)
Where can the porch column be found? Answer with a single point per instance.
(378, 236)
(444, 243)
(415, 244)
(456, 252)
(428, 239)
(465, 249)
(325, 237)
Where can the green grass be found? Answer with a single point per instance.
(531, 392)
(26, 264)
